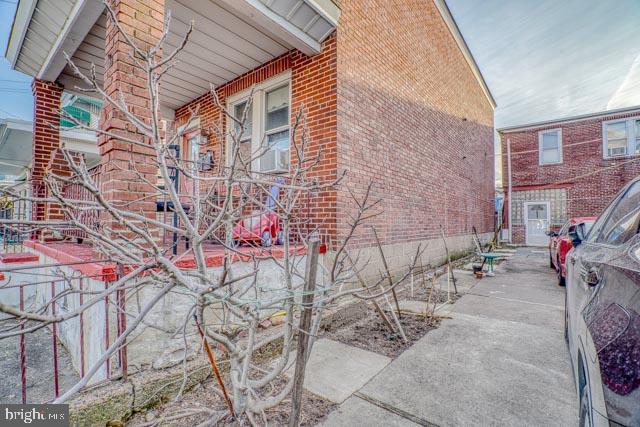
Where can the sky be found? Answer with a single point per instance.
(542, 59)
(15, 88)
(546, 59)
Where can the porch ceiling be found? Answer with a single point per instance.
(231, 37)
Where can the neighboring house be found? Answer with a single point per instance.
(16, 137)
(390, 91)
(566, 168)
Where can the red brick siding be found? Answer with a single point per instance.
(313, 88)
(413, 119)
(143, 21)
(46, 144)
(590, 180)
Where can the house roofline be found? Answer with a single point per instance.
(569, 119)
(442, 7)
(21, 17)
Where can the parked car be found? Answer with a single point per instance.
(602, 320)
(560, 244)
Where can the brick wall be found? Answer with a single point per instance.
(413, 119)
(46, 144)
(313, 83)
(123, 163)
(590, 181)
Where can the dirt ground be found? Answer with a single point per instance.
(357, 324)
(203, 398)
(361, 326)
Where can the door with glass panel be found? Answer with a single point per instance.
(536, 220)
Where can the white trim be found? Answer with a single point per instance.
(557, 131)
(326, 9)
(194, 124)
(258, 117)
(21, 21)
(630, 123)
(569, 119)
(442, 7)
(275, 24)
(81, 19)
(526, 219)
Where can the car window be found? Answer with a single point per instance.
(622, 220)
(587, 226)
(564, 229)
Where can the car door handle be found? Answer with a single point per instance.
(572, 259)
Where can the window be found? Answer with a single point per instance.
(194, 152)
(550, 145)
(238, 113)
(636, 143)
(276, 130)
(246, 135)
(621, 137)
(616, 138)
(266, 133)
(622, 218)
(564, 230)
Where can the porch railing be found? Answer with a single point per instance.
(17, 209)
(90, 217)
(253, 196)
(69, 345)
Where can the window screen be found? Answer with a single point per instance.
(550, 147)
(616, 139)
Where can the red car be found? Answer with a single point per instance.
(560, 244)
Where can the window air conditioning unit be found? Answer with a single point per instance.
(275, 160)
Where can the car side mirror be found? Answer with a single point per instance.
(576, 234)
(551, 233)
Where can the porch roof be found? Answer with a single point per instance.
(16, 145)
(231, 37)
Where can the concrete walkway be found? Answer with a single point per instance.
(500, 360)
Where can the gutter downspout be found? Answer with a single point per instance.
(509, 190)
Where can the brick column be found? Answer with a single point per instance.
(46, 141)
(143, 22)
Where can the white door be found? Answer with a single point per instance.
(536, 220)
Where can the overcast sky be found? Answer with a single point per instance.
(542, 59)
(545, 59)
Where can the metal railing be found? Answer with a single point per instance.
(88, 217)
(54, 296)
(252, 196)
(18, 209)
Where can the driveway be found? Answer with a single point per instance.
(500, 360)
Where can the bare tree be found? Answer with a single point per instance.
(227, 306)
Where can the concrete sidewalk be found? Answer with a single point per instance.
(501, 360)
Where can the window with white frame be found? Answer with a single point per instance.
(550, 146)
(636, 141)
(194, 152)
(266, 131)
(621, 137)
(246, 132)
